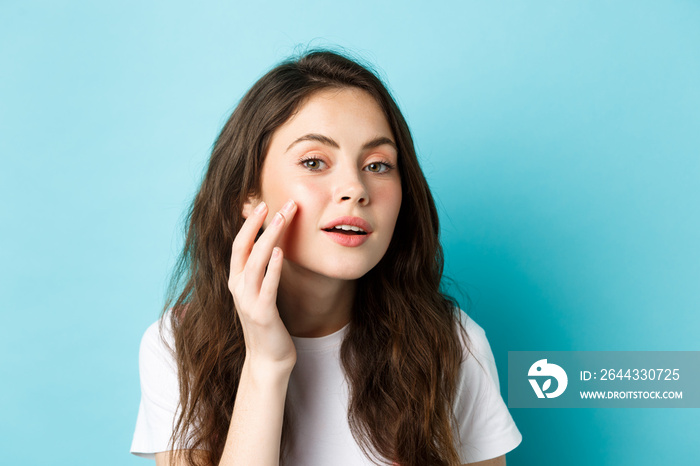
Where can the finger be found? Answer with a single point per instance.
(268, 289)
(262, 249)
(244, 240)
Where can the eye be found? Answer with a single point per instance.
(311, 163)
(376, 167)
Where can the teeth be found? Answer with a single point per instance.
(348, 227)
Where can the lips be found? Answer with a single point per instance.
(348, 236)
(356, 222)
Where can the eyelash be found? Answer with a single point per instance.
(390, 166)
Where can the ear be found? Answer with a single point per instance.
(249, 205)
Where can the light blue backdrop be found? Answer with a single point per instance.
(560, 138)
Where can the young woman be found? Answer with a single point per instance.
(305, 323)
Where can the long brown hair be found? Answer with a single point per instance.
(401, 353)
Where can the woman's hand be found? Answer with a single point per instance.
(268, 343)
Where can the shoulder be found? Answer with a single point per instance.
(160, 395)
(472, 328)
(156, 351)
(478, 362)
(158, 333)
(486, 427)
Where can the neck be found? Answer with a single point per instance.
(313, 305)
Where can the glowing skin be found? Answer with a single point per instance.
(326, 182)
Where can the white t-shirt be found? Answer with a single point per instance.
(318, 396)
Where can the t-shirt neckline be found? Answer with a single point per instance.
(321, 343)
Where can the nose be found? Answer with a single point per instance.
(351, 188)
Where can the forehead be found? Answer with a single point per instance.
(346, 114)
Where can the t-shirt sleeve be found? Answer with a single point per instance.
(159, 394)
(485, 425)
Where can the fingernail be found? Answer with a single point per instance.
(259, 209)
(277, 220)
(288, 206)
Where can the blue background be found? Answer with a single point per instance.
(560, 138)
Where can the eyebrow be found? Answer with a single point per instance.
(330, 142)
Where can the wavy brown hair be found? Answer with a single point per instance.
(402, 351)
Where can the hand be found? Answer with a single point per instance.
(255, 292)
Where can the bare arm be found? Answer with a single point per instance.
(255, 430)
(256, 425)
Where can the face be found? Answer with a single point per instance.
(336, 157)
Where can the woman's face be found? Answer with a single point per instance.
(336, 157)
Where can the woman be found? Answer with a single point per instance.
(318, 334)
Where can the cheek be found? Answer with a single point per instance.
(391, 197)
(305, 190)
(310, 199)
(278, 189)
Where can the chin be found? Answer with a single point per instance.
(339, 272)
(336, 270)
(345, 270)
(344, 274)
